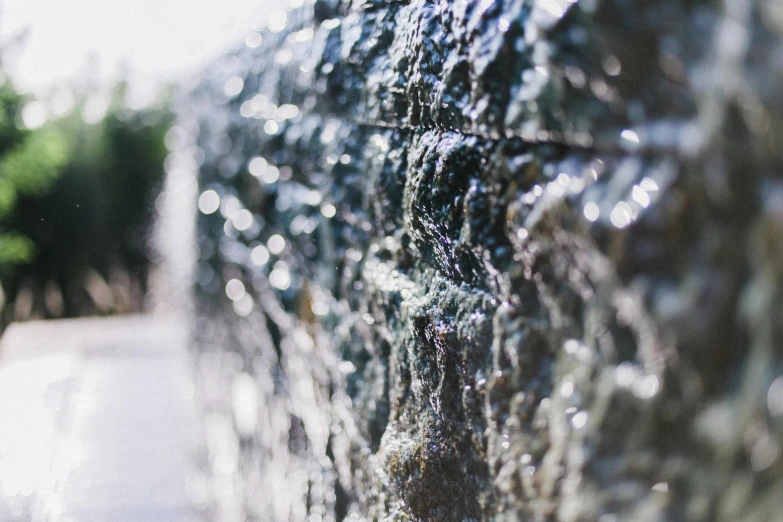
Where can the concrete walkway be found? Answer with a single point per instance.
(95, 421)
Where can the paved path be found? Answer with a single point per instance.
(95, 423)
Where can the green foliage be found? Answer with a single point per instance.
(31, 167)
(11, 103)
(15, 248)
(29, 163)
(89, 207)
(77, 198)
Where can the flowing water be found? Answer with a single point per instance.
(490, 260)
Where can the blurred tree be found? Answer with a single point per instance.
(76, 202)
(90, 229)
(29, 163)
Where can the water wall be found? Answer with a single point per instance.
(510, 260)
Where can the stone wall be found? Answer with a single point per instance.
(494, 260)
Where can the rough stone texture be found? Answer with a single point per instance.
(500, 260)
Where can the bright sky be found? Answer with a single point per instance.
(158, 39)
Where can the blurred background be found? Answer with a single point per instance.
(85, 95)
(94, 410)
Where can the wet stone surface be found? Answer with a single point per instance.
(494, 260)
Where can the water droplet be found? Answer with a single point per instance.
(764, 453)
(246, 109)
(630, 136)
(253, 40)
(244, 400)
(34, 115)
(259, 256)
(646, 387)
(257, 166)
(576, 185)
(612, 65)
(276, 244)
(554, 8)
(270, 175)
(319, 308)
(591, 211)
(233, 86)
(555, 189)
(229, 207)
(661, 487)
(648, 185)
(640, 196)
(621, 215)
(579, 420)
(287, 111)
(332, 23)
(571, 346)
(624, 374)
(304, 35)
(346, 367)
(271, 127)
(775, 397)
(244, 305)
(484, 5)
(284, 56)
(235, 289)
(280, 278)
(243, 220)
(277, 20)
(208, 202)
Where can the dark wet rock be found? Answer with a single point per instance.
(500, 260)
